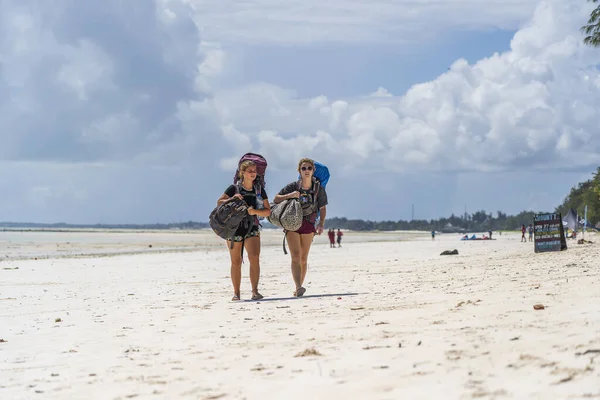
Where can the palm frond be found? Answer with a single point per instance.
(592, 29)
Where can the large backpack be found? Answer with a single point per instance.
(226, 218)
(321, 174)
(261, 169)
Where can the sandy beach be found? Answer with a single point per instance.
(122, 315)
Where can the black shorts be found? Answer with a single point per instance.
(243, 233)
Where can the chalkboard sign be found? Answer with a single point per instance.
(549, 234)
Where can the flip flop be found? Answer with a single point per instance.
(299, 292)
(235, 298)
(256, 296)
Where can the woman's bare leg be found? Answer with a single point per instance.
(236, 266)
(253, 251)
(293, 240)
(305, 242)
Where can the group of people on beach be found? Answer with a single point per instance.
(331, 234)
(524, 230)
(299, 241)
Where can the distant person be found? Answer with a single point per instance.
(339, 238)
(433, 235)
(490, 233)
(331, 234)
(523, 230)
(530, 230)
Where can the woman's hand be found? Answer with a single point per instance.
(294, 195)
(319, 229)
(251, 211)
(238, 196)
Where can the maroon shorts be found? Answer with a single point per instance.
(306, 228)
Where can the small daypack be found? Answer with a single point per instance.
(287, 215)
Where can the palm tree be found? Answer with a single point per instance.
(592, 29)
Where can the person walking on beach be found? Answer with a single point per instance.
(530, 230)
(523, 234)
(331, 234)
(339, 238)
(433, 234)
(247, 237)
(313, 199)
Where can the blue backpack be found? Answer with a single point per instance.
(321, 176)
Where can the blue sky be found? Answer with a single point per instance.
(137, 113)
(346, 70)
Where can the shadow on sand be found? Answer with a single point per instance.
(308, 296)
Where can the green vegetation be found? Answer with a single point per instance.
(585, 193)
(592, 29)
(479, 221)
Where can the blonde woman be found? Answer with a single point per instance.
(247, 236)
(313, 198)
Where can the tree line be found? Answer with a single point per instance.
(584, 193)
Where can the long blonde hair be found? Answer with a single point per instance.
(243, 167)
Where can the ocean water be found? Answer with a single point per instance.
(42, 243)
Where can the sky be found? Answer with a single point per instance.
(137, 112)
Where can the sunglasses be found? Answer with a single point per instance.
(307, 168)
(251, 171)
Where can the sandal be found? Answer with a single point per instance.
(299, 292)
(256, 296)
(235, 298)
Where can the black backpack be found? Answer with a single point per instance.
(228, 217)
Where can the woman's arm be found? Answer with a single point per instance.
(225, 197)
(281, 197)
(321, 225)
(323, 214)
(265, 212)
(286, 193)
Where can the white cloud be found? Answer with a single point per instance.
(366, 21)
(162, 91)
(211, 66)
(318, 102)
(238, 140)
(530, 106)
(87, 69)
(381, 92)
(112, 129)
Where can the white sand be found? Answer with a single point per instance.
(391, 319)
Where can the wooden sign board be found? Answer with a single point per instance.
(549, 233)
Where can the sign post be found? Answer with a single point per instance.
(549, 233)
